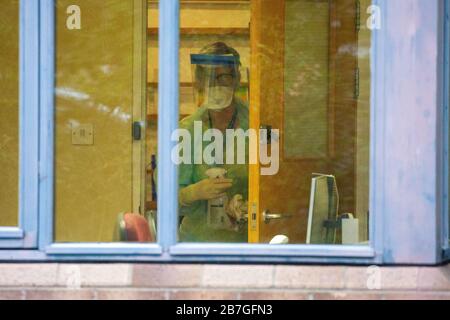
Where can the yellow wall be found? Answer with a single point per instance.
(9, 107)
(216, 14)
(94, 86)
(363, 124)
(94, 81)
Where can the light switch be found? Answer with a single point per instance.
(83, 135)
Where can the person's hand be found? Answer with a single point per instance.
(207, 189)
(235, 207)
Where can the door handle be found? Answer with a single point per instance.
(268, 216)
(136, 131)
(268, 138)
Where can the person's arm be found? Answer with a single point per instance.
(207, 189)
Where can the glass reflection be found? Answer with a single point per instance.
(294, 85)
(101, 86)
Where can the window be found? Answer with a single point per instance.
(104, 151)
(291, 81)
(9, 113)
(19, 119)
(115, 114)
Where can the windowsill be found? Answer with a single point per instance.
(128, 249)
(186, 249)
(11, 233)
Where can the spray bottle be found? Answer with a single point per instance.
(217, 217)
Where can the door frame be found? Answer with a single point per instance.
(139, 156)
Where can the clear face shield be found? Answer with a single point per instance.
(215, 78)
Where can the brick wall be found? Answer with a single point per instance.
(224, 282)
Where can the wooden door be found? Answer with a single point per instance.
(303, 83)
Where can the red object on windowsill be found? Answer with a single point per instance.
(137, 229)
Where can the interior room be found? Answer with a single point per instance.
(304, 70)
(248, 150)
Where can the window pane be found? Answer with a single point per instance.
(9, 112)
(103, 166)
(297, 81)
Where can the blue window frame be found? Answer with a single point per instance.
(25, 235)
(408, 199)
(446, 135)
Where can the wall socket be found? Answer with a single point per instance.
(83, 135)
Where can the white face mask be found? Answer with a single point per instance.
(219, 98)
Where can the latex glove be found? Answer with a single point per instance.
(236, 207)
(207, 189)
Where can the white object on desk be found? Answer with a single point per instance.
(280, 239)
(350, 230)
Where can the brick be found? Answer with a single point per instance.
(436, 278)
(28, 275)
(94, 275)
(309, 277)
(232, 276)
(11, 295)
(347, 296)
(167, 276)
(358, 277)
(274, 295)
(399, 278)
(124, 294)
(203, 295)
(390, 278)
(417, 296)
(57, 294)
